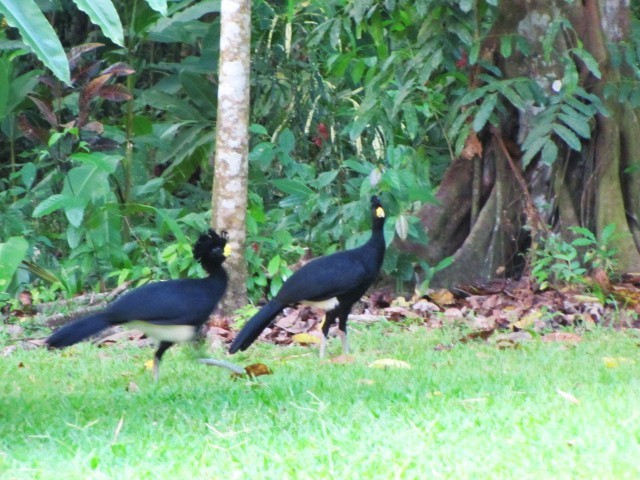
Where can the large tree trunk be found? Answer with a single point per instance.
(590, 188)
(229, 199)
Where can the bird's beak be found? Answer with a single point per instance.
(227, 250)
(380, 212)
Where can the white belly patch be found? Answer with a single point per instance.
(328, 304)
(166, 333)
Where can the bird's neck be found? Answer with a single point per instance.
(376, 241)
(216, 272)
(377, 230)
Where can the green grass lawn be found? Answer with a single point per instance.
(471, 412)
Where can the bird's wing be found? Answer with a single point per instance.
(324, 278)
(171, 302)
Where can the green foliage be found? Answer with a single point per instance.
(12, 252)
(349, 98)
(38, 34)
(566, 110)
(556, 262)
(568, 117)
(625, 58)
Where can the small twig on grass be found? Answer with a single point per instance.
(118, 428)
(237, 369)
(88, 298)
(96, 301)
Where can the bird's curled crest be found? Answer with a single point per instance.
(211, 249)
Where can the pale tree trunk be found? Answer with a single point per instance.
(229, 199)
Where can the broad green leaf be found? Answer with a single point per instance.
(567, 136)
(358, 166)
(506, 46)
(533, 148)
(106, 163)
(363, 116)
(28, 174)
(104, 15)
(185, 15)
(51, 204)
(172, 224)
(200, 91)
(258, 129)
(466, 5)
(411, 120)
(74, 214)
(287, 141)
(274, 265)
(474, 53)
(86, 182)
(159, 6)
(21, 86)
(12, 252)
(178, 107)
(484, 112)
(513, 97)
(582, 242)
(577, 123)
(585, 232)
(473, 95)
(37, 34)
(444, 263)
(588, 60)
(325, 178)
(573, 106)
(402, 227)
(74, 235)
(5, 75)
(549, 152)
(292, 187)
(430, 65)
(607, 233)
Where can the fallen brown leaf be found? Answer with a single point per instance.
(389, 363)
(443, 297)
(305, 339)
(614, 362)
(343, 359)
(425, 306)
(398, 313)
(132, 387)
(561, 337)
(257, 369)
(512, 340)
(528, 320)
(480, 335)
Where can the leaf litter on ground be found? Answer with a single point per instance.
(505, 313)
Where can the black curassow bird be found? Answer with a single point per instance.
(334, 282)
(170, 312)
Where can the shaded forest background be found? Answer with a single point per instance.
(503, 137)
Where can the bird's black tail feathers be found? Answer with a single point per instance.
(79, 330)
(255, 326)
